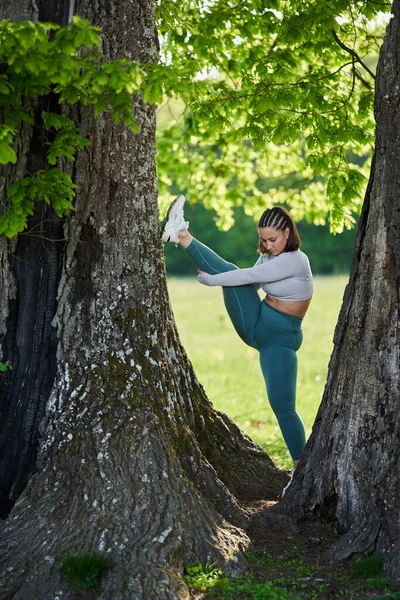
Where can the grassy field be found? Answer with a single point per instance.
(229, 370)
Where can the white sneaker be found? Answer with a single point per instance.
(174, 221)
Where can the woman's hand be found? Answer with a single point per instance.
(202, 277)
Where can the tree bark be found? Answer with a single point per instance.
(350, 469)
(132, 460)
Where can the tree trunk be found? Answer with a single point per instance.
(351, 469)
(132, 459)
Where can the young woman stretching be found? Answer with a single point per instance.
(273, 325)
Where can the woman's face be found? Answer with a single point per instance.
(273, 240)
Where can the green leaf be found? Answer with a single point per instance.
(56, 121)
(153, 92)
(52, 186)
(7, 154)
(13, 115)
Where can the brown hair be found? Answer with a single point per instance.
(279, 218)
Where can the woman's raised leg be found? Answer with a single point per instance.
(242, 302)
(203, 257)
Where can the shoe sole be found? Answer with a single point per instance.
(169, 212)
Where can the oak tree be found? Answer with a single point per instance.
(350, 471)
(108, 440)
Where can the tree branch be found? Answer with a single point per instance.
(352, 53)
(361, 78)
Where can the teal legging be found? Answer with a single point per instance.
(276, 335)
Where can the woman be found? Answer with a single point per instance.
(272, 325)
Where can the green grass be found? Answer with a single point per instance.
(84, 569)
(291, 576)
(215, 583)
(370, 566)
(229, 370)
(202, 577)
(230, 373)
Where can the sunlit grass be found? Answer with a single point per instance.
(229, 370)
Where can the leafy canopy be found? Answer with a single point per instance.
(272, 103)
(70, 67)
(267, 102)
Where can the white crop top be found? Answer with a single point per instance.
(284, 277)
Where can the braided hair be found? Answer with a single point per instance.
(279, 218)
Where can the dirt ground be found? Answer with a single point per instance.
(275, 534)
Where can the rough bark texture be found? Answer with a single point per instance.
(351, 465)
(133, 460)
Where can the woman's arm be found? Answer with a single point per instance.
(259, 261)
(281, 267)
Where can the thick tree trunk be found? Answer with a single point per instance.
(351, 466)
(133, 460)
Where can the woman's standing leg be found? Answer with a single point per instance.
(279, 368)
(279, 337)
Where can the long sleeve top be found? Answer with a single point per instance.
(284, 277)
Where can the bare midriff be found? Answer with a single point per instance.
(296, 309)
